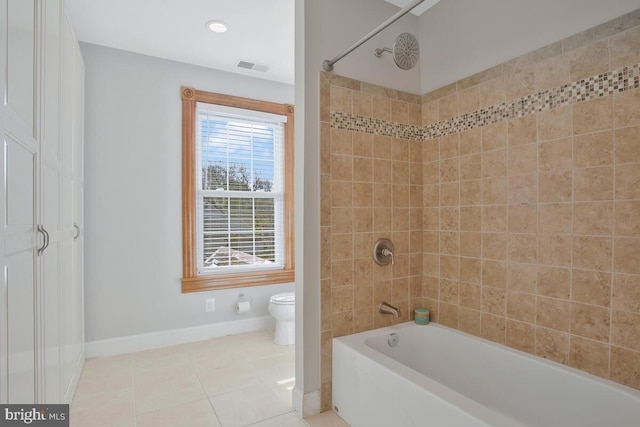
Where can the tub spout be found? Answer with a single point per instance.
(386, 308)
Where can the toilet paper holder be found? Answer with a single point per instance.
(242, 297)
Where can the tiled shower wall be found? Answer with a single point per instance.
(371, 188)
(528, 179)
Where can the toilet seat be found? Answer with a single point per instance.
(285, 298)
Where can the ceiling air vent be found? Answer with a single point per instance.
(252, 66)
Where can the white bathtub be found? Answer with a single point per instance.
(436, 376)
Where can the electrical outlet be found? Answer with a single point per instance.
(210, 305)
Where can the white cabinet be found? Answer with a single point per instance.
(41, 124)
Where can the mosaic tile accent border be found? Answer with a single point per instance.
(621, 80)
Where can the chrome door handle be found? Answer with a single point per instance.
(45, 235)
(77, 231)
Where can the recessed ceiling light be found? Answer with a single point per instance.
(216, 26)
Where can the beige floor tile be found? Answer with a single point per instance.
(248, 405)
(103, 367)
(286, 420)
(158, 395)
(326, 419)
(214, 353)
(193, 414)
(232, 377)
(109, 408)
(258, 345)
(174, 367)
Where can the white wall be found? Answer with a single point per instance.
(133, 235)
(459, 38)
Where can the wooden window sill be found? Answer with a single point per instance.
(238, 280)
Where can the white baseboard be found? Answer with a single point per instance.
(127, 344)
(306, 405)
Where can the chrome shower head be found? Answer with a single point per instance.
(406, 51)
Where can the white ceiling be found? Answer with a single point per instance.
(260, 31)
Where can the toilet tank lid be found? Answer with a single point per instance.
(284, 298)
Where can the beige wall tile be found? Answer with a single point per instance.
(341, 100)
(627, 145)
(494, 273)
(415, 114)
(518, 81)
(450, 218)
(450, 242)
(430, 113)
(589, 356)
(341, 246)
(469, 295)
(625, 331)
(521, 306)
(494, 163)
(552, 345)
(470, 270)
(593, 184)
(362, 194)
(591, 287)
(556, 123)
(554, 155)
(593, 218)
(522, 130)
(382, 171)
(626, 110)
(341, 141)
(494, 301)
(626, 292)
(450, 194)
(471, 141)
(627, 178)
(342, 272)
(494, 246)
(448, 107)
(381, 108)
(342, 323)
(325, 148)
(592, 116)
(470, 218)
(523, 277)
(493, 92)
(448, 315)
(592, 253)
(363, 319)
(594, 149)
(469, 99)
(362, 169)
(449, 291)
(523, 189)
(362, 104)
(493, 328)
(590, 322)
(341, 168)
(626, 260)
(494, 219)
(554, 282)
(470, 244)
(382, 147)
(589, 60)
(625, 48)
(495, 191)
(553, 313)
(450, 170)
(341, 194)
(521, 336)
(399, 112)
(523, 248)
(469, 321)
(470, 167)
(625, 366)
(554, 250)
(470, 193)
(555, 187)
(551, 72)
(523, 218)
(449, 267)
(495, 136)
(523, 159)
(555, 218)
(400, 149)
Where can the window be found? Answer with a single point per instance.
(237, 191)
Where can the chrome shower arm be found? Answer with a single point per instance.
(378, 52)
(327, 64)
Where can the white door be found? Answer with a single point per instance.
(19, 238)
(50, 194)
(72, 270)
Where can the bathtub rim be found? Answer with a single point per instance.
(357, 343)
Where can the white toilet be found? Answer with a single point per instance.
(283, 308)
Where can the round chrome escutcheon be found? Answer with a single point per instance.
(393, 339)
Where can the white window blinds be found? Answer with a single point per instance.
(240, 181)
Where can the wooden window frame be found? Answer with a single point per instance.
(191, 281)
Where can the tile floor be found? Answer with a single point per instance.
(233, 381)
